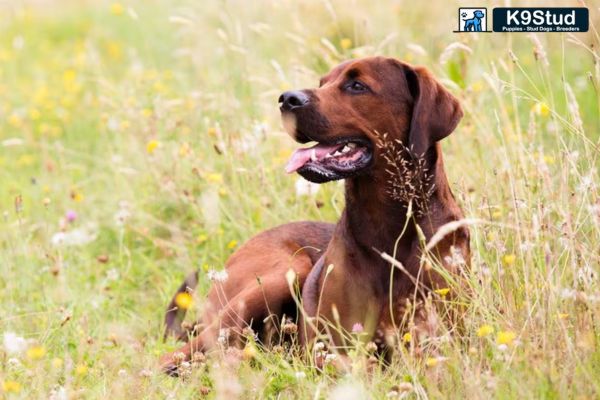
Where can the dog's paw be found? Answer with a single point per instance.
(169, 363)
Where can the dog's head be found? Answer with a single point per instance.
(478, 14)
(356, 103)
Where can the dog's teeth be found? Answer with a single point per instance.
(346, 149)
(351, 145)
(313, 155)
(337, 153)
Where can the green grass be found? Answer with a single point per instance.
(86, 92)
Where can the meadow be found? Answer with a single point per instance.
(140, 140)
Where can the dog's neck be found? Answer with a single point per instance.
(374, 218)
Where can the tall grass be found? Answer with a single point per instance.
(141, 140)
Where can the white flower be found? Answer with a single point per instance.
(112, 274)
(76, 237)
(300, 375)
(14, 344)
(13, 362)
(306, 188)
(59, 393)
(123, 213)
(217, 276)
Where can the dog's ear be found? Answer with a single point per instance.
(435, 112)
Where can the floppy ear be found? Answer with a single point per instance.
(435, 113)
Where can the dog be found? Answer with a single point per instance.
(377, 123)
(474, 24)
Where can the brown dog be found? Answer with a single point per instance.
(377, 123)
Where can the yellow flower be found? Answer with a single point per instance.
(232, 244)
(77, 196)
(214, 178)
(442, 292)
(201, 238)
(184, 300)
(509, 259)
(541, 109)
(249, 352)
(549, 160)
(345, 43)
(151, 146)
(11, 387)
(212, 132)
(505, 337)
(563, 316)
(36, 352)
(407, 337)
(496, 214)
(57, 363)
(81, 370)
(433, 361)
(485, 330)
(117, 9)
(184, 149)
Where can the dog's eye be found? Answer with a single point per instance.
(356, 87)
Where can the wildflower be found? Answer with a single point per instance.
(81, 370)
(57, 363)
(13, 362)
(434, 361)
(71, 216)
(145, 373)
(509, 259)
(76, 237)
(249, 351)
(184, 300)
(485, 330)
(47, 201)
(232, 244)
(36, 352)
(11, 387)
(218, 276)
(505, 338)
(14, 344)
(563, 316)
(289, 328)
(77, 196)
(357, 328)
(371, 347)
(117, 9)
(214, 178)
(541, 109)
(201, 238)
(442, 292)
(345, 43)
(151, 146)
(407, 337)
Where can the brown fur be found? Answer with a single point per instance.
(406, 104)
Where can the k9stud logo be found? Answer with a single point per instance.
(541, 19)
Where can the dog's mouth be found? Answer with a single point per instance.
(325, 162)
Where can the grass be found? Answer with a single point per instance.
(148, 134)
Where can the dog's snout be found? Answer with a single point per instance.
(292, 99)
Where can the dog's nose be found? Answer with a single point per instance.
(292, 99)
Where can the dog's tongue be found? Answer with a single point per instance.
(302, 156)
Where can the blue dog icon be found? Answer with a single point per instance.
(473, 24)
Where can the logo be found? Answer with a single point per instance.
(548, 19)
(472, 19)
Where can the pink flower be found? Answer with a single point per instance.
(357, 328)
(71, 215)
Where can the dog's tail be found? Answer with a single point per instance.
(174, 315)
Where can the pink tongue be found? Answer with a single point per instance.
(302, 156)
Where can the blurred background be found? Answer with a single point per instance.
(141, 139)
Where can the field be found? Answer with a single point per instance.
(141, 140)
